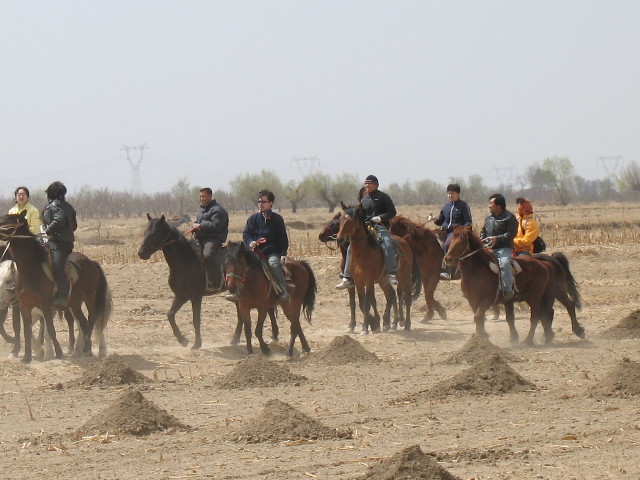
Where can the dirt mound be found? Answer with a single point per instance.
(256, 371)
(409, 464)
(621, 381)
(131, 414)
(111, 370)
(629, 327)
(479, 347)
(343, 350)
(279, 421)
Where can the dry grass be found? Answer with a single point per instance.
(116, 241)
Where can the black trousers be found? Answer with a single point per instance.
(212, 254)
(59, 253)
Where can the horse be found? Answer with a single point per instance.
(535, 284)
(428, 254)
(329, 233)
(246, 278)
(186, 276)
(35, 289)
(367, 268)
(8, 299)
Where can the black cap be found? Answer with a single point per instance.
(371, 179)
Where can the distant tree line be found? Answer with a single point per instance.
(553, 180)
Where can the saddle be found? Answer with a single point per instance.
(269, 274)
(47, 268)
(515, 266)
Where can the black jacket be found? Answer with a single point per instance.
(272, 229)
(60, 221)
(504, 227)
(214, 223)
(378, 204)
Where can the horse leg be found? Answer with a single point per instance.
(478, 318)
(245, 315)
(177, 303)
(508, 308)
(390, 297)
(3, 316)
(362, 304)
(373, 319)
(352, 308)
(262, 315)
(571, 310)
(275, 330)
(51, 331)
(26, 327)
(16, 330)
(196, 306)
(406, 297)
(533, 323)
(239, 324)
(547, 322)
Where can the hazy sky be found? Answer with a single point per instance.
(405, 90)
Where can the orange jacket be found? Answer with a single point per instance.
(528, 231)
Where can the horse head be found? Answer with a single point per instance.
(330, 230)
(14, 224)
(239, 259)
(157, 235)
(460, 245)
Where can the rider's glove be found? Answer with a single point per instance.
(376, 219)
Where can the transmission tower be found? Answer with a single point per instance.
(136, 184)
(611, 164)
(306, 165)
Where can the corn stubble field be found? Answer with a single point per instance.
(576, 415)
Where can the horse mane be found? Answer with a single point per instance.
(357, 213)
(416, 230)
(238, 248)
(22, 229)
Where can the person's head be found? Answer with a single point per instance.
(524, 207)
(205, 196)
(56, 191)
(453, 192)
(497, 204)
(22, 196)
(265, 200)
(371, 183)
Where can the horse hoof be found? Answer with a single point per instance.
(443, 316)
(364, 332)
(426, 320)
(12, 355)
(580, 333)
(386, 328)
(350, 330)
(234, 341)
(183, 341)
(265, 350)
(25, 360)
(394, 327)
(196, 346)
(514, 339)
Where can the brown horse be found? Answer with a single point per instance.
(329, 233)
(481, 287)
(367, 268)
(428, 254)
(35, 288)
(186, 276)
(245, 274)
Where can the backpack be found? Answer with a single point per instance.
(538, 245)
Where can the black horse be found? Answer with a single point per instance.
(186, 276)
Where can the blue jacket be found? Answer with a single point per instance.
(214, 223)
(454, 214)
(271, 229)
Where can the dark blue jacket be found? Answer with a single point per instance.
(453, 214)
(214, 223)
(273, 230)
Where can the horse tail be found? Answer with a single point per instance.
(309, 300)
(572, 286)
(416, 280)
(103, 301)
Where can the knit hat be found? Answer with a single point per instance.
(371, 179)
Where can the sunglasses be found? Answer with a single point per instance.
(260, 202)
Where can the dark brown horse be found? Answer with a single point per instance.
(428, 254)
(481, 287)
(367, 268)
(35, 289)
(186, 276)
(245, 273)
(328, 234)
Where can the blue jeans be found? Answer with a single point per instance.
(388, 250)
(504, 260)
(347, 260)
(276, 270)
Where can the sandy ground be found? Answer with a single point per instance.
(555, 429)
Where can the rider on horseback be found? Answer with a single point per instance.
(60, 223)
(211, 230)
(500, 228)
(266, 232)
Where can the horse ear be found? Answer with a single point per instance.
(148, 217)
(22, 215)
(162, 218)
(344, 207)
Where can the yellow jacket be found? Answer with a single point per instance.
(33, 216)
(528, 231)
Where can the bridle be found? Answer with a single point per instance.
(466, 248)
(241, 278)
